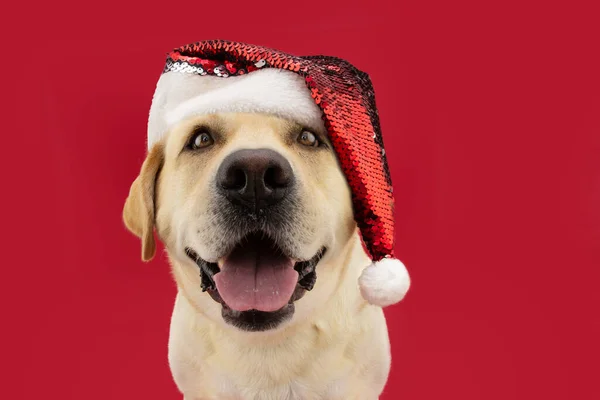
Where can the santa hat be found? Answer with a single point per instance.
(221, 76)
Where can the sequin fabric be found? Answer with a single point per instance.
(347, 99)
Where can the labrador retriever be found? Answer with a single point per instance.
(257, 221)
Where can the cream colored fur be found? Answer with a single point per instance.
(335, 347)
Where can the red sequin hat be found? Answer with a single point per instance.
(218, 76)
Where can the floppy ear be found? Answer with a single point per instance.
(139, 209)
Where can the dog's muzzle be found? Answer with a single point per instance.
(257, 277)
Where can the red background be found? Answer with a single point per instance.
(491, 117)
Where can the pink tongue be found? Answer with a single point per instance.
(255, 277)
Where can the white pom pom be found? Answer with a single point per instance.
(385, 282)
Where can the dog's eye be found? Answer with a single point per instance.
(200, 140)
(307, 138)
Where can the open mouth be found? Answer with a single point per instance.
(256, 276)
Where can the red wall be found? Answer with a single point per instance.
(491, 117)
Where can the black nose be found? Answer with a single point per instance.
(255, 178)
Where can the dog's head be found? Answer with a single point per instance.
(251, 209)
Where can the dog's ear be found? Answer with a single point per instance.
(139, 209)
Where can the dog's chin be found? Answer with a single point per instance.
(256, 283)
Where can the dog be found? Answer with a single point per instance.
(267, 182)
(316, 339)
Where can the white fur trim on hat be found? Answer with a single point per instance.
(385, 282)
(282, 93)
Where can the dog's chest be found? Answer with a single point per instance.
(282, 373)
(262, 387)
(207, 364)
(260, 384)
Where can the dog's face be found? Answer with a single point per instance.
(251, 209)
